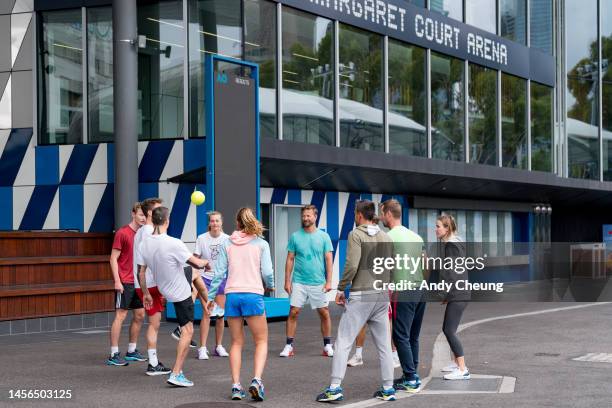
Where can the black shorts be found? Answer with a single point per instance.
(129, 299)
(184, 311)
(188, 274)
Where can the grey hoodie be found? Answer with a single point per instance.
(358, 267)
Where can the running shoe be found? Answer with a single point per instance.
(328, 350)
(202, 353)
(134, 356)
(458, 375)
(355, 361)
(331, 394)
(220, 351)
(179, 380)
(450, 368)
(257, 390)
(418, 380)
(176, 334)
(404, 384)
(238, 394)
(385, 394)
(116, 360)
(159, 369)
(287, 351)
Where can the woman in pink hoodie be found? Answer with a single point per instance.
(245, 260)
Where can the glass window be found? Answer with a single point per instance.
(606, 55)
(160, 70)
(61, 77)
(482, 109)
(513, 14)
(582, 90)
(447, 111)
(541, 25)
(260, 47)
(100, 74)
(450, 8)
(214, 28)
(482, 14)
(541, 127)
(361, 90)
(308, 78)
(420, 3)
(407, 100)
(514, 130)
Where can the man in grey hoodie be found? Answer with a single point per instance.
(365, 304)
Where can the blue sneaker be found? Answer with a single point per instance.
(257, 390)
(403, 384)
(238, 394)
(179, 380)
(135, 356)
(116, 360)
(385, 395)
(418, 380)
(331, 394)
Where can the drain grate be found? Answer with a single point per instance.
(547, 354)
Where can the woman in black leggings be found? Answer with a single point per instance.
(456, 300)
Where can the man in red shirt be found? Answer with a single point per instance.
(122, 266)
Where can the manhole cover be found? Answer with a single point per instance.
(213, 405)
(547, 354)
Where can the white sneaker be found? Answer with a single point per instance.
(355, 361)
(287, 351)
(220, 351)
(458, 375)
(202, 353)
(396, 361)
(450, 368)
(328, 350)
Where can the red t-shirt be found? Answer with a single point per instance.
(124, 242)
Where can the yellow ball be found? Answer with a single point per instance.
(198, 197)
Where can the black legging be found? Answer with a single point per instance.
(452, 317)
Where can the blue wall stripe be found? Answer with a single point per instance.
(147, 190)
(104, 219)
(278, 196)
(194, 154)
(154, 160)
(6, 208)
(366, 196)
(38, 208)
(349, 216)
(332, 215)
(110, 162)
(202, 218)
(294, 197)
(47, 165)
(79, 163)
(13, 154)
(318, 198)
(180, 208)
(71, 207)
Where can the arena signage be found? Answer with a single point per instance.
(415, 25)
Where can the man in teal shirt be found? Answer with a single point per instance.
(308, 275)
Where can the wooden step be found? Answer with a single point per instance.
(53, 270)
(54, 243)
(56, 288)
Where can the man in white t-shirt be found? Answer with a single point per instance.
(155, 310)
(208, 246)
(166, 257)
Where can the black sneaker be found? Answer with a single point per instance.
(159, 369)
(176, 334)
(116, 360)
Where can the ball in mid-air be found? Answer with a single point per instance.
(198, 198)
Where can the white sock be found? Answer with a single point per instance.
(358, 351)
(131, 347)
(114, 350)
(395, 355)
(236, 385)
(387, 388)
(153, 357)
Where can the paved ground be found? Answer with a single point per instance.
(537, 350)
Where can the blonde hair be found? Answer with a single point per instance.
(248, 223)
(448, 221)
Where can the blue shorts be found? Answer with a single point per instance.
(244, 305)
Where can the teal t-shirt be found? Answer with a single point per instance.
(309, 249)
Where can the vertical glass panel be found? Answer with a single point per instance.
(513, 14)
(514, 130)
(160, 70)
(215, 27)
(541, 127)
(61, 77)
(420, 3)
(260, 47)
(308, 78)
(606, 55)
(447, 111)
(541, 25)
(100, 74)
(482, 105)
(361, 90)
(482, 14)
(450, 8)
(407, 100)
(582, 89)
